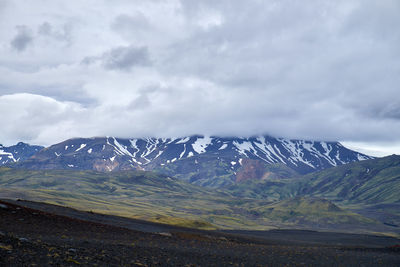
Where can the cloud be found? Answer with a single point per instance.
(36, 118)
(131, 26)
(377, 149)
(326, 70)
(47, 29)
(122, 58)
(22, 39)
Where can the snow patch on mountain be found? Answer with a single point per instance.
(183, 152)
(243, 147)
(8, 155)
(223, 147)
(81, 147)
(184, 140)
(201, 144)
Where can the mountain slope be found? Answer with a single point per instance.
(17, 153)
(365, 183)
(370, 182)
(138, 194)
(209, 161)
(305, 211)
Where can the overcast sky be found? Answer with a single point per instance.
(322, 70)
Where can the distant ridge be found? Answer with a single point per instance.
(18, 152)
(204, 160)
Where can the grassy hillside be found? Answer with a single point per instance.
(304, 211)
(271, 190)
(160, 198)
(132, 193)
(366, 182)
(368, 188)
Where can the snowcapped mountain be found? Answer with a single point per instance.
(195, 158)
(16, 153)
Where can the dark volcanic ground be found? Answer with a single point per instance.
(34, 237)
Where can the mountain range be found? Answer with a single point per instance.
(202, 160)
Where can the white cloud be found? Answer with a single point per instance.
(37, 118)
(377, 149)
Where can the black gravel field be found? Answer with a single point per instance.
(37, 234)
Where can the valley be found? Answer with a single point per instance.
(298, 202)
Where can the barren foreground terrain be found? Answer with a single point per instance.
(36, 234)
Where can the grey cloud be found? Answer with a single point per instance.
(122, 58)
(374, 19)
(143, 100)
(45, 29)
(393, 112)
(62, 34)
(3, 5)
(294, 52)
(131, 24)
(23, 38)
(389, 110)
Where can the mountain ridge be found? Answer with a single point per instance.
(203, 160)
(19, 152)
